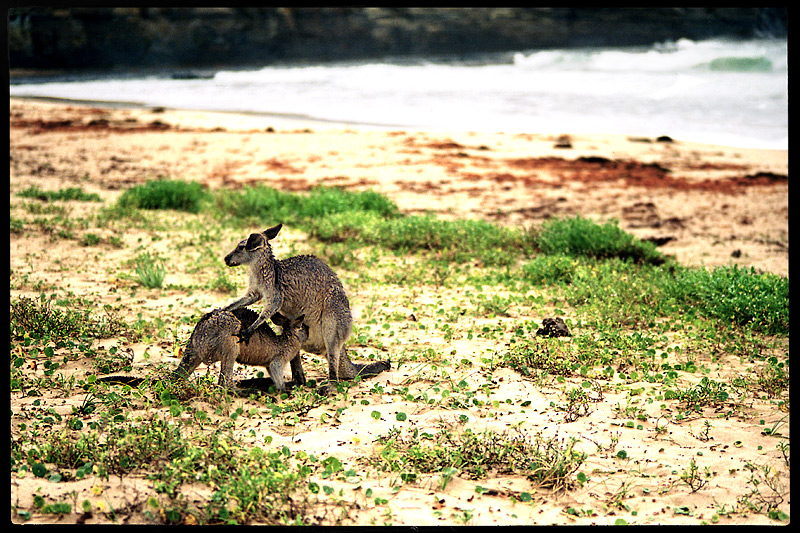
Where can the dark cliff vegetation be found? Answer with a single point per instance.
(175, 38)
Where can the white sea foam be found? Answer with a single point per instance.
(724, 92)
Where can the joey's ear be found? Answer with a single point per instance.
(254, 242)
(271, 233)
(299, 320)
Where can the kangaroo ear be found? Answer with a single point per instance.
(254, 242)
(299, 319)
(271, 233)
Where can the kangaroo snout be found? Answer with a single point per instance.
(234, 258)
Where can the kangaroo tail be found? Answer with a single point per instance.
(124, 380)
(371, 369)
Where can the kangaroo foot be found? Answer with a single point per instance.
(327, 389)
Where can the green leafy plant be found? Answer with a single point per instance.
(707, 392)
(265, 203)
(553, 358)
(457, 240)
(693, 477)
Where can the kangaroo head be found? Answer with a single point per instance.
(245, 251)
(298, 329)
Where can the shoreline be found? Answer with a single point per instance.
(300, 120)
(235, 116)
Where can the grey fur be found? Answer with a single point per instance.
(300, 285)
(213, 339)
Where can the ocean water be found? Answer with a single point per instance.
(733, 93)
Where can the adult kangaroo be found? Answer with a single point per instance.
(300, 285)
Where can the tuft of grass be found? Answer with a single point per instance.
(16, 225)
(579, 236)
(550, 269)
(149, 271)
(90, 239)
(536, 354)
(165, 194)
(70, 193)
(334, 215)
(615, 291)
(223, 283)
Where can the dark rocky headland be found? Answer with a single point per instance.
(75, 39)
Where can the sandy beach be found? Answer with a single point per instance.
(704, 205)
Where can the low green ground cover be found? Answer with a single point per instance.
(639, 318)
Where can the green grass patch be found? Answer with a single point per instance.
(458, 240)
(39, 318)
(71, 193)
(255, 205)
(165, 194)
(628, 293)
(736, 295)
(579, 236)
(547, 462)
(250, 484)
(550, 269)
(607, 272)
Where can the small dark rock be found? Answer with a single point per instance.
(564, 141)
(659, 241)
(736, 253)
(664, 139)
(553, 327)
(595, 159)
